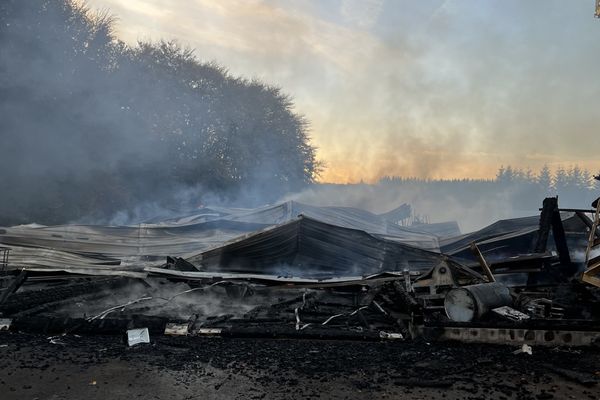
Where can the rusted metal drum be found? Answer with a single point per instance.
(469, 303)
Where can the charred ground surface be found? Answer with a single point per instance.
(99, 367)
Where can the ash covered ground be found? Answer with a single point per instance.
(102, 367)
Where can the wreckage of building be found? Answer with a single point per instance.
(294, 270)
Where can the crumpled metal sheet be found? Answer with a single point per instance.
(131, 248)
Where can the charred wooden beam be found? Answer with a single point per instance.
(550, 219)
(560, 239)
(587, 221)
(405, 298)
(575, 210)
(13, 286)
(108, 326)
(484, 265)
(549, 206)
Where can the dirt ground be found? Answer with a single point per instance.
(103, 367)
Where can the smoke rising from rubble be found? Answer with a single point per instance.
(471, 215)
(435, 100)
(92, 127)
(472, 203)
(207, 302)
(438, 89)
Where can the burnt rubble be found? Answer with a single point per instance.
(298, 271)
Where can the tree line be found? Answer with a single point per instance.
(521, 189)
(91, 126)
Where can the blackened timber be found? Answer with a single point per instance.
(484, 265)
(284, 332)
(587, 221)
(549, 206)
(550, 219)
(47, 297)
(107, 326)
(405, 299)
(575, 210)
(560, 240)
(14, 286)
(521, 263)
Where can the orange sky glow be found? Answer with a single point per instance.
(441, 89)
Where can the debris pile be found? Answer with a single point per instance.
(298, 271)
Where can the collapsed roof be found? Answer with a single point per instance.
(307, 247)
(286, 239)
(508, 237)
(113, 249)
